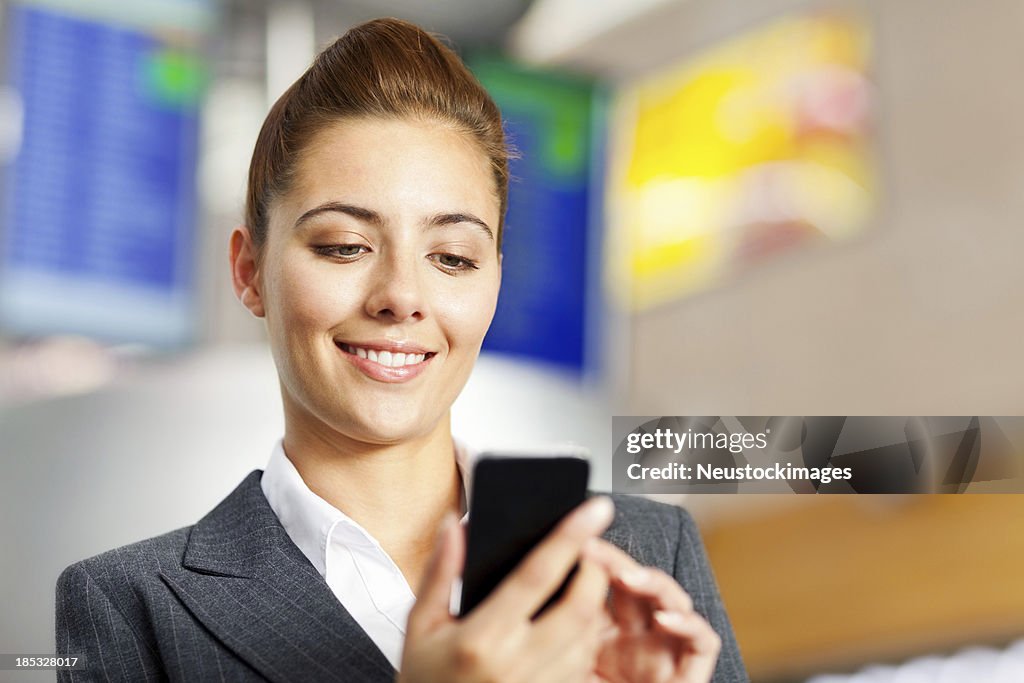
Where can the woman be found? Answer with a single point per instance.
(371, 248)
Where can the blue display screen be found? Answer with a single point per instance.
(542, 307)
(98, 222)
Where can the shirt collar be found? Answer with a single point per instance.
(308, 518)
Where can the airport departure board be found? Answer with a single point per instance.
(99, 199)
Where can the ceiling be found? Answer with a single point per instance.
(468, 23)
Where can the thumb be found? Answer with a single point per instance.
(434, 596)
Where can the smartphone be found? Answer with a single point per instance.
(516, 501)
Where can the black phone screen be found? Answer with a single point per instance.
(515, 502)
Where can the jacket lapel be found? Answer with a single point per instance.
(244, 580)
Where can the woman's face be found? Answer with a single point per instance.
(380, 277)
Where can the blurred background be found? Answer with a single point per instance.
(723, 207)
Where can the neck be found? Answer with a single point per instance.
(398, 492)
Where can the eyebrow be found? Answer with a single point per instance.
(357, 212)
(368, 216)
(442, 219)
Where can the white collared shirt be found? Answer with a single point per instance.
(357, 569)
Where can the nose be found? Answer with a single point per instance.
(396, 292)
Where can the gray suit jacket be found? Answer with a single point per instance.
(233, 599)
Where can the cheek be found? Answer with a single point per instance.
(468, 316)
(309, 299)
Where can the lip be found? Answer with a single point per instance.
(385, 373)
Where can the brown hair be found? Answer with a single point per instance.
(384, 68)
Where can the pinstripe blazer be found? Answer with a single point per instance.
(233, 599)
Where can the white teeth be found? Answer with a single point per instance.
(393, 360)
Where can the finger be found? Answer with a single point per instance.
(699, 647)
(569, 634)
(657, 587)
(537, 577)
(639, 581)
(632, 615)
(691, 626)
(434, 596)
(573, 663)
(615, 560)
(581, 607)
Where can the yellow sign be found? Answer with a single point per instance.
(750, 148)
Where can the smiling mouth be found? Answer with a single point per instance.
(387, 359)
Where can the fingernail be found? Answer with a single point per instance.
(670, 619)
(634, 578)
(600, 510)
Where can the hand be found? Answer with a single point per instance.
(498, 641)
(656, 636)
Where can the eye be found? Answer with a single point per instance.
(343, 251)
(454, 263)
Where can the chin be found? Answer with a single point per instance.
(385, 429)
(382, 435)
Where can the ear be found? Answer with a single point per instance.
(245, 276)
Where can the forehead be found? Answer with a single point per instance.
(394, 166)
